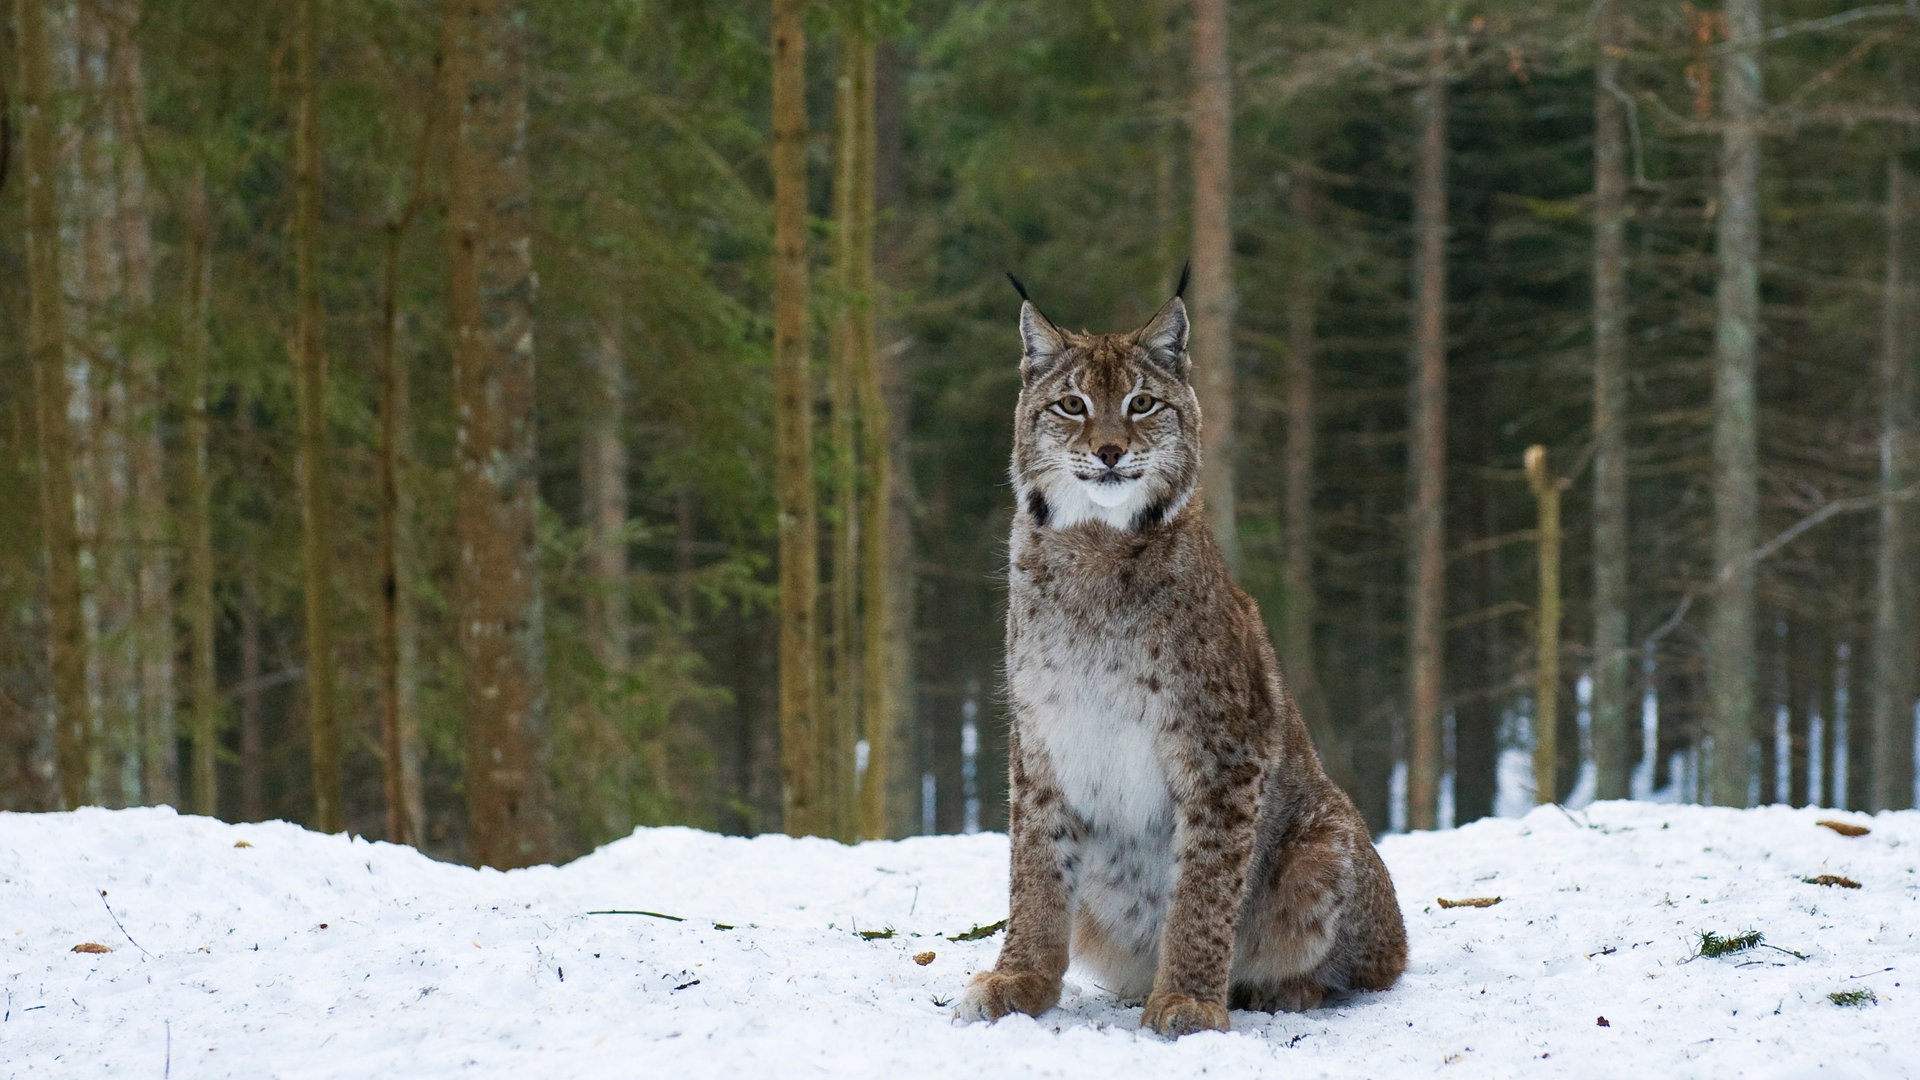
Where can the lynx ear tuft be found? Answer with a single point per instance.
(1022, 289)
(1165, 335)
(1041, 341)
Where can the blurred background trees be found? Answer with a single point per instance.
(435, 376)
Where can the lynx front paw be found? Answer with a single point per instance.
(1174, 1015)
(991, 995)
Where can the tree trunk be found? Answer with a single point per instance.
(1301, 613)
(1730, 660)
(1214, 300)
(604, 471)
(253, 741)
(151, 555)
(400, 720)
(106, 433)
(310, 380)
(890, 809)
(393, 723)
(198, 516)
(502, 626)
(1427, 448)
(1799, 707)
(1616, 728)
(1859, 720)
(47, 344)
(844, 678)
(1896, 612)
(1472, 651)
(109, 565)
(877, 581)
(1772, 655)
(1826, 679)
(1546, 677)
(802, 799)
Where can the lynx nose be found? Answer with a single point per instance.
(1110, 454)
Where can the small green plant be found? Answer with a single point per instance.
(1712, 944)
(979, 932)
(1853, 997)
(876, 935)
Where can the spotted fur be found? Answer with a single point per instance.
(1172, 828)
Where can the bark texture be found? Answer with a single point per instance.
(1736, 486)
(151, 553)
(1896, 622)
(47, 344)
(1301, 613)
(1214, 300)
(801, 800)
(197, 518)
(844, 677)
(502, 625)
(1546, 672)
(878, 583)
(310, 379)
(1427, 449)
(1615, 730)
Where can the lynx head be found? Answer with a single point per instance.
(1108, 428)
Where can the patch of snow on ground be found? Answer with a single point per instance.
(304, 955)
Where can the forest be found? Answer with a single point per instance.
(492, 427)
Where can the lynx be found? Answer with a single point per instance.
(1171, 826)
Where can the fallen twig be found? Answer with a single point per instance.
(631, 911)
(123, 929)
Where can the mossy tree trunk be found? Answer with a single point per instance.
(502, 625)
(47, 345)
(310, 381)
(802, 791)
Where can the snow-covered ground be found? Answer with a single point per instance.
(266, 950)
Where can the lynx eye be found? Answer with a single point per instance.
(1142, 404)
(1070, 406)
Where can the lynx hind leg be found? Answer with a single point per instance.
(1324, 921)
(1375, 933)
(1298, 994)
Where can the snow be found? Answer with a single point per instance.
(267, 950)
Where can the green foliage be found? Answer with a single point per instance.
(1046, 139)
(1714, 945)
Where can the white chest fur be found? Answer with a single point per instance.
(1101, 744)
